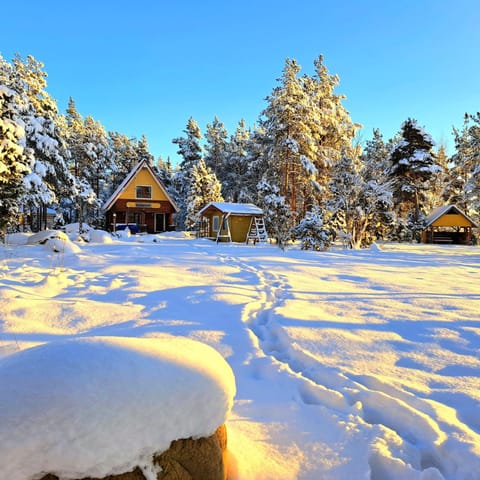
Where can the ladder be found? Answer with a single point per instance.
(257, 231)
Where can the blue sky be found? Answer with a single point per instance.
(146, 66)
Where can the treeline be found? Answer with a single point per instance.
(301, 163)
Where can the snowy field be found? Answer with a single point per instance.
(348, 364)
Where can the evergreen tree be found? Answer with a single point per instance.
(360, 208)
(190, 150)
(143, 151)
(14, 163)
(236, 165)
(434, 197)
(48, 179)
(412, 170)
(312, 232)
(279, 218)
(375, 157)
(290, 148)
(125, 153)
(333, 128)
(463, 187)
(204, 188)
(216, 140)
(306, 130)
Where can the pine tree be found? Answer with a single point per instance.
(312, 232)
(236, 166)
(279, 218)
(124, 149)
(412, 170)
(463, 187)
(290, 148)
(143, 151)
(333, 128)
(216, 140)
(190, 150)
(360, 207)
(204, 188)
(14, 163)
(434, 197)
(48, 179)
(306, 130)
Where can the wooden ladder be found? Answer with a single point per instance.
(257, 231)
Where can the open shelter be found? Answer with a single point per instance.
(448, 224)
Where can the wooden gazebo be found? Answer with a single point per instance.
(448, 224)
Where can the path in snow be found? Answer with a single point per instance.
(431, 435)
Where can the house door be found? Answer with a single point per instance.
(160, 222)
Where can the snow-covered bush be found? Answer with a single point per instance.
(312, 232)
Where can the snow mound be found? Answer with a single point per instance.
(100, 236)
(99, 406)
(54, 240)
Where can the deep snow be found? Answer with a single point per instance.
(348, 364)
(96, 406)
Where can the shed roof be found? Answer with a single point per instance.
(443, 210)
(142, 164)
(234, 208)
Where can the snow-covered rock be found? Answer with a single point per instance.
(100, 406)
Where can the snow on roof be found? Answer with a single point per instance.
(439, 211)
(234, 208)
(103, 405)
(142, 164)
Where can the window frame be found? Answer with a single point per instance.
(146, 187)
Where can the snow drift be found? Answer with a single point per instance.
(102, 405)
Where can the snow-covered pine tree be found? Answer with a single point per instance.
(204, 188)
(143, 150)
(360, 207)
(375, 156)
(14, 163)
(312, 232)
(412, 170)
(92, 162)
(125, 157)
(190, 150)
(216, 141)
(290, 148)
(306, 130)
(279, 218)
(463, 187)
(332, 128)
(235, 174)
(165, 171)
(49, 178)
(434, 197)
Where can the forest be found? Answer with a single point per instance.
(302, 163)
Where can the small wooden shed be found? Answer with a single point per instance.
(232, 222)
(448, 224)
(140, 203)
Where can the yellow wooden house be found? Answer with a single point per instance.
(448, 224)
(140, 203)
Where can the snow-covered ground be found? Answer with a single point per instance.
(348, 364)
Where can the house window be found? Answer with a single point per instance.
(144, 191)
(216, 223)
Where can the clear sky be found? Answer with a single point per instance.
(146, 66)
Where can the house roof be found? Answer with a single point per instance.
(440, 211)
(142, 164)
(233, 208)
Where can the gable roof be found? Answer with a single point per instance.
(142, 164)
(440, 211)
(234, 208)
